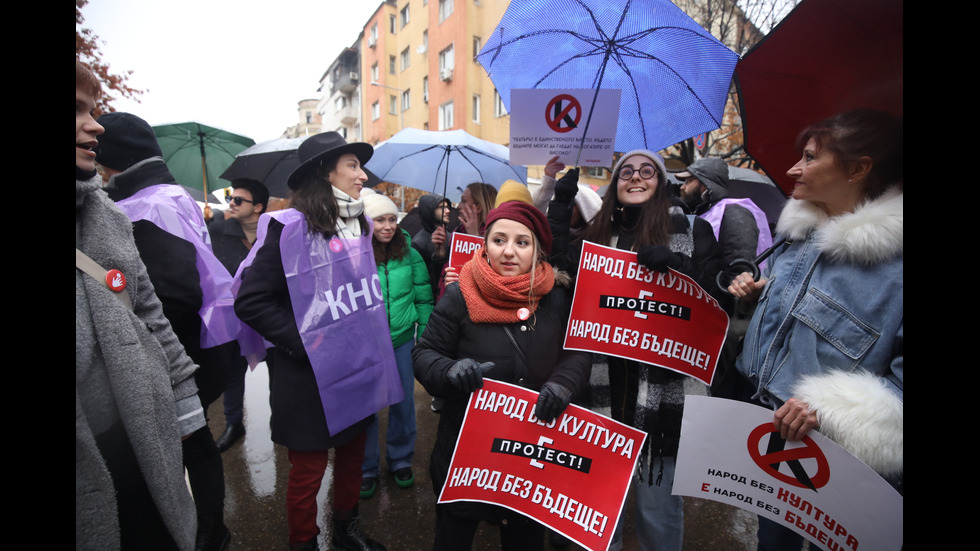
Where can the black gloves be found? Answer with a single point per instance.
(552, 400)
(567, 187)
(467, 374)
(658, 258)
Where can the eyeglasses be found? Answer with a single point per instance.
(238, 201)
(646, 172)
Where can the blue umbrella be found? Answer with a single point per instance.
(673, 74)
(442, 162)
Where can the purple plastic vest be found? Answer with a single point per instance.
(173, 210)
(340, 314)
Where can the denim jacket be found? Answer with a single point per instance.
(833, 301)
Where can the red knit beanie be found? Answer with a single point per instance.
(526, 214)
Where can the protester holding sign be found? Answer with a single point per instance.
(504, 319)
(310, 288)
(825, 347)
(637, 215)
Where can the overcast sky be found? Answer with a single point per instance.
(239, 65)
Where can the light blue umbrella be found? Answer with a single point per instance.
(443, 162)
(674, 75)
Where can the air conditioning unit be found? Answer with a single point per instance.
(446, 74)
(353, 75)
(372, 42)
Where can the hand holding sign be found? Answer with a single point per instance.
(467, 374)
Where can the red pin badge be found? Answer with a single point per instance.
(523, 314)
(115, 280)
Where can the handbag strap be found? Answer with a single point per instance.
(92, 268)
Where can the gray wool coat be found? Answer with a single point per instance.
(148, 376)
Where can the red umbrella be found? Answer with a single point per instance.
(825, 57)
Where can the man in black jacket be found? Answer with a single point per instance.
(142, 186)
(232, 238)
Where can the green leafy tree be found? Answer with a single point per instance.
(88, 51)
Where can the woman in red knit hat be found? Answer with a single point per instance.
(507, 287)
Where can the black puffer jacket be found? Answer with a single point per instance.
(422, 240)
(451, 336)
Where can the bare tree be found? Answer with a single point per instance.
(740, 25)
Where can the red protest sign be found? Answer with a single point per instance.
(571, 474)
(462, 247)
(623, 309)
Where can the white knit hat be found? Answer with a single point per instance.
(587, 201)
(376, 205)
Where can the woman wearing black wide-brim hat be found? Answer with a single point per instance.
(324, 385)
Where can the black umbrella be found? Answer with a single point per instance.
(749, 184)
(271, 162)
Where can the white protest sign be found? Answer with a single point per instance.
(729, 453)
(545, 123)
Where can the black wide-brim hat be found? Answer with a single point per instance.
(320, 147)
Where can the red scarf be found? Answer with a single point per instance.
(493, 298)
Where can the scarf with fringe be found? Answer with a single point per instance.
(492, 298)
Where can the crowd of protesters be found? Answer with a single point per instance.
(170, 309)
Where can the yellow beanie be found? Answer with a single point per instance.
(512, 190)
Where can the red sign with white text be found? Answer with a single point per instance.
(571, 474)
(462, 247)
(623, 309)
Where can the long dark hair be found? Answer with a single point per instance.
(650, 222)
(395, 249)
(314, 198)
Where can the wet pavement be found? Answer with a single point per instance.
(402, 519)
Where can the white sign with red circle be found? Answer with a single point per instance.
(577, 125)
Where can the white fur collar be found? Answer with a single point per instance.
(872, 234)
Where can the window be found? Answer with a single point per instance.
(597, 172)
(375, 111)
(406, 100)
(405, 59)
(404, 17)
(392, 23)
(446, 116)
(447, 58)
(393, 105)
(425, 42)
(340, 103)
(391, 64)
(309, 117)
(425, 89)
(373, 37)
(477, 45)
(445, 9)
(476, 108)
(374, 72)
(498, 105)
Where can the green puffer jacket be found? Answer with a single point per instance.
(408, 295)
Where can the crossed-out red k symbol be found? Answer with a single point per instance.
(777, 454)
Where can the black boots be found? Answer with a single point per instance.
(347, 534)
(212, 534)
(231, 435)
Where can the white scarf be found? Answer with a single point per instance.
(349, 209)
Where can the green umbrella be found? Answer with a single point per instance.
(196, 153)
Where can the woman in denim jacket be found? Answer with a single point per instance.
(825, 344)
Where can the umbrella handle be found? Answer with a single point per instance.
(740, 265)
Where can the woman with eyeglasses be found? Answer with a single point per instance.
(637, 214)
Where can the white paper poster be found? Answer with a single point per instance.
(545, 123)
(729, 453)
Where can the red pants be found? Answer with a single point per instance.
(305, 475)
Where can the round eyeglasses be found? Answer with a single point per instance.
(646, 172)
